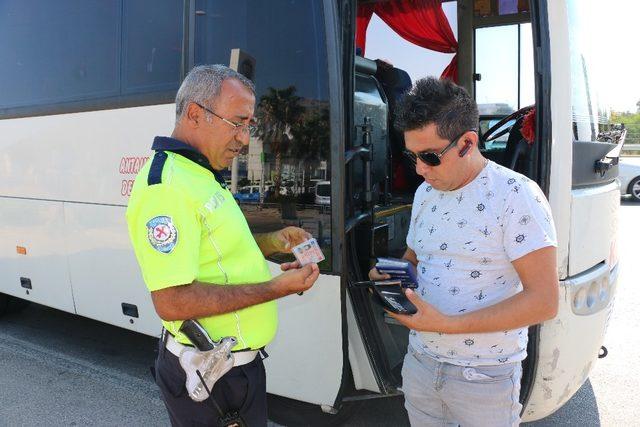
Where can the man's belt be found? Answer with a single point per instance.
(239, 357)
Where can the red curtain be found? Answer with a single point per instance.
(421, 22)
(365, 11)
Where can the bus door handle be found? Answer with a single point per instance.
(359, 151)
(351, 223)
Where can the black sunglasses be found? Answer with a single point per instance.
(432, 158)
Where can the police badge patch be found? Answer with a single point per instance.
(162, 234)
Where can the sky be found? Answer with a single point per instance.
(619, 50)
(616, 49)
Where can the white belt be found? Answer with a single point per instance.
(239, 357)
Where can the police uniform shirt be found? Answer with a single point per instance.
(185, 225)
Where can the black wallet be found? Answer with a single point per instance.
(389, 294)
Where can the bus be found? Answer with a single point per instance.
(87, 84)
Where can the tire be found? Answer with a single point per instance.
(293, 413)
(634, 188)
(9, 304)
(4, 303)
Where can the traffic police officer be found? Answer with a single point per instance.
(197, 255)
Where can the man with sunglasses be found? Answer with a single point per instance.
(198, 257)
(483, 242)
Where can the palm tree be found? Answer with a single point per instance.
(279, 110)
(312, 140)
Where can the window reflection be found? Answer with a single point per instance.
(283, 178)
(589, 110)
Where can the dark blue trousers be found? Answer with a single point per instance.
(242, 390)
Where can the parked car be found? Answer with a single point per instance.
(323, 193)
(249, 194)
(629, 176)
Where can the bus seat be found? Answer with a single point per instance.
(395, 83)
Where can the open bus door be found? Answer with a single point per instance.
(377, 215)
(549, 42)
(380, 188)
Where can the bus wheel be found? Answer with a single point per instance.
(9, 304)
(4, 303)
(293, 413)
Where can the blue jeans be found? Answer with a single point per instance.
(441, 394)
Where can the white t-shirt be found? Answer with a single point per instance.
(465, 241)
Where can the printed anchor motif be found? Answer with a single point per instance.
(525, 219)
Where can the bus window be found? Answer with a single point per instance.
(152, 46)
(504, 84)
(43, 46)
(291, 147)
(587, 114)
(504, 62)
(589, 66)
(497, 65)
(69, 56)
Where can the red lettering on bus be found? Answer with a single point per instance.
(132, 165)
(126, 187)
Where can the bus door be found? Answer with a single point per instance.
(380, 183)
(379, 187)
(496, 64)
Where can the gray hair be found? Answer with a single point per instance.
(202, 85)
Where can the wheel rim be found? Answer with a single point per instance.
(635, 190)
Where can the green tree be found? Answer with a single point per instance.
(312, 138)
(279, 111)
(631, 122)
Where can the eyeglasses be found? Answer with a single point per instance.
(432, 158)
(249, 128)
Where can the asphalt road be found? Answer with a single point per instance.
(57, 369)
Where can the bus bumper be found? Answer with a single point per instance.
(570, 343)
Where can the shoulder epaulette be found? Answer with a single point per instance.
(155, 171)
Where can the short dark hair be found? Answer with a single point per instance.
(438, 101)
